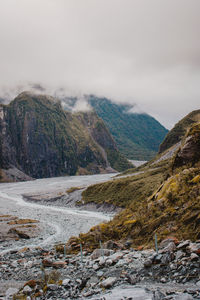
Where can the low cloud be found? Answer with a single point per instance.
(81, 105)
(137, 51)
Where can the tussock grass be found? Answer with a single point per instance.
(73, 189)
(126, 192)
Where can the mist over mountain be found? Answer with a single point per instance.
(137, 134)
(42, 140)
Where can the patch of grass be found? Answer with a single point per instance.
(22, 221)
(126, 192)
(73, 189)
(117, 160)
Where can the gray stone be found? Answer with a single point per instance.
(93, 280)
(132, 279)
(165, 243)
(194, 256)
(158, 295)
(14, 264)
(179, 254)
(116, 256)
(148, 263)
(101, 261)
(100, 273)
(27, 289)
(79, 281)
(121, 263)
(171, 247)
(183, 297)
(158, 258)
(183, 244)
(109, 262)
(52, 287)
(110, 281)
(166, 259)
(198, 283)
(163, 280)
(137, 255)
(66, 281)
(101, 252)
(194, 247)
(95, 267)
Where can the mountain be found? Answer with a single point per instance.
(137, 135)
(175, 135)
(162, 198)
(40, 139)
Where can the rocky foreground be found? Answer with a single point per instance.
(111, 272)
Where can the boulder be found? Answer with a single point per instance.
(27, 290)
(194, 247)
(183, 244)
(109, 282)
(59, 264)
(167, 241)
(148, 263)
(179, 254)
(47, 263)
(66, 282)
(112, 245)
(170, 247)
(101, 252)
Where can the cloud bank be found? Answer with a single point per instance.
(137, 51)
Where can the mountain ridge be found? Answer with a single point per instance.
(137, 135)
(41, 139)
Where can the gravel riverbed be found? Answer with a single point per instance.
(57, 223)
(33, 269)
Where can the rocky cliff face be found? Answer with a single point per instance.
(179, 130)
(40, 139)
(189, 152)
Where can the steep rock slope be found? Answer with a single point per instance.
(41, 139)
(162, 199)
(178, 131)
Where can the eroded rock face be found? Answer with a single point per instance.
(189, 152)
(42, 140)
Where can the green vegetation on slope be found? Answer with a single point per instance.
(165, 201)
(128, 191)
(137, 135)
(43, 140)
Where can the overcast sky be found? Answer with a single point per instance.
(139, 51)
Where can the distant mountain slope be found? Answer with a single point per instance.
(138, 136)
(178, 131)
(42, 140)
